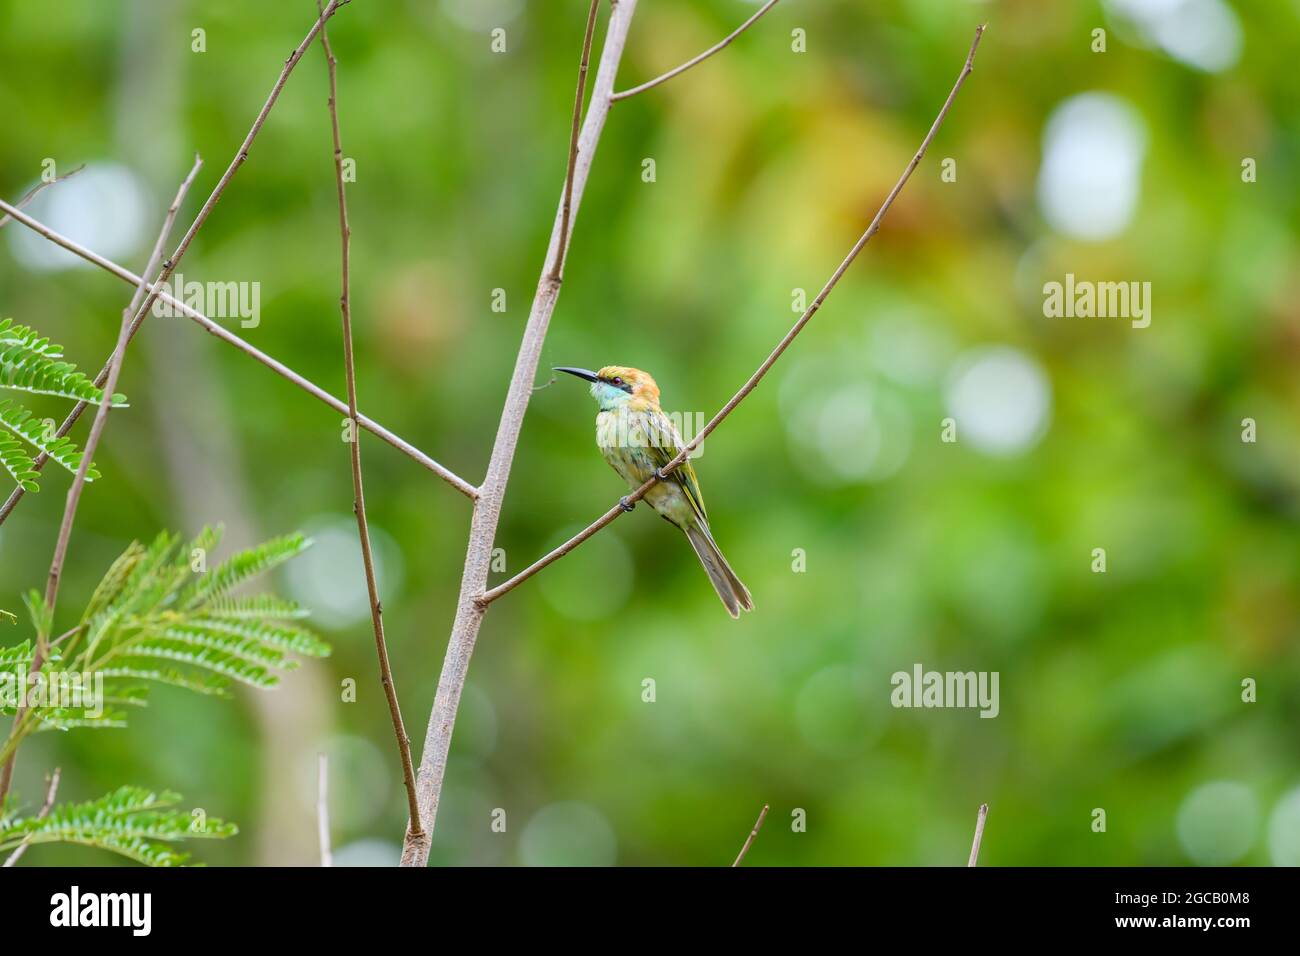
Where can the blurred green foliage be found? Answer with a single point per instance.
(1119, 691)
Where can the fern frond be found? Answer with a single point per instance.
(110, 586)
(262, 607)
(17, 655)
(131, 821)
(41, 615)
(16, 461)
(151, 580)
(288, 637)
(219, 662)
(64, 719)
(240, 567)
(26, 371)
(61, 450)
(148, 669)
(19, 339)
(152, 619)
(250, 649)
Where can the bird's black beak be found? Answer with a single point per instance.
(580, 372)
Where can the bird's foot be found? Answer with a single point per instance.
(659, 473)
(625, 504)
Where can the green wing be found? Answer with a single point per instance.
(663, 445)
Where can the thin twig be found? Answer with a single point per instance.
(31, 193)
(696, 60)
(358, 488)
(48, 805)
(213, 328)
(323, 809)
(487, 509)
(979, 834)
(155, 258)
(557, 266)
(19, 726)
(762, 815)
(130, 321)
(612, 515)
(173, 261)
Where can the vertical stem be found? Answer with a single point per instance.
(979, 834)
(358, 489)
(487, 508)
(323, 810)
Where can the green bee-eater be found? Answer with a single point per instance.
(637, 439)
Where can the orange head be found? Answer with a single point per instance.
(617, 385)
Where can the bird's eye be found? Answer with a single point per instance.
(617, 381)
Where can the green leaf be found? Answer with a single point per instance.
(41, 616)
(147, 669)
(242, 566)
(131, 821)
(19, 339)
(25, 370)
(15, 460)
(219, 662)
(289, 637)
(264, 607)
(63, 451)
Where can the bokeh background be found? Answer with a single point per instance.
(1119, 690)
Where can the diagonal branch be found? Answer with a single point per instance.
(354, 446)
(126, 275)
(20, 724)
(51, 791)
(131, 321)
(487, 509)
(758, 825)
(979, 834)
(31, 193)
(557, 266)
(172, 262)
(696, 60)
(487, 597)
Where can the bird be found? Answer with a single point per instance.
(638, 440)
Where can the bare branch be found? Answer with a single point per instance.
(557, 266)
(979, 834)
(758, 824)
(487, 597)
(130, 322)
(323, 807)
(487, 509)
(50, 792)
(171, 263)
(31, 193)
(19, 726)
(699, 59)
(358, 486)
(126, 275)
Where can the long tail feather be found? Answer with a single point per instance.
(733, 593)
